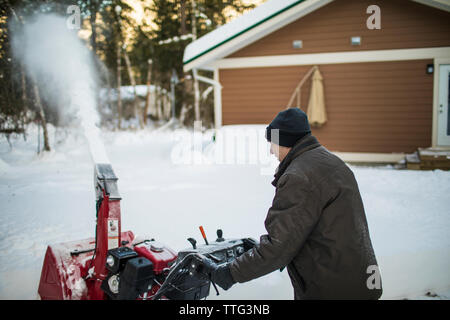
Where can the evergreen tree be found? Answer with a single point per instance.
(170, 43)
(164, 44)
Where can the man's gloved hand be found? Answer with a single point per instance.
(220, 274)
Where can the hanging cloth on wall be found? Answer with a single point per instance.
(316, 107)
(316, 113)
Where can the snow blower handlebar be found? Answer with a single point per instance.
(190, 277)
(176, 273)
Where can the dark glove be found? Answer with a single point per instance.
(249, 243)
(219, 274)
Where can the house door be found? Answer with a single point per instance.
(444, 105)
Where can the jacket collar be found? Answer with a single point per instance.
(304, 144)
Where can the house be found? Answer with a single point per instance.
(386, 86)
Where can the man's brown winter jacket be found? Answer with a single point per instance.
(316, 227)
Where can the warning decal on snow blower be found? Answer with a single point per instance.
(113, 233)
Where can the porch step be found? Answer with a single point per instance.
(428, 159)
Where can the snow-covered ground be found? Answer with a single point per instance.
(50, 198)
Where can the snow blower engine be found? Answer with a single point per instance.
(118, 265)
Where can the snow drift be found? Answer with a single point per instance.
(51, 199)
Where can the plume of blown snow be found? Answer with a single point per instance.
(64, 69)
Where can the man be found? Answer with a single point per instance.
(316, 225)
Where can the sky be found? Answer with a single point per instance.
(140, 17)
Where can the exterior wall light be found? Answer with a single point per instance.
(355, 41)
(297, 44)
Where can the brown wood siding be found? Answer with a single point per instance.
(404, 24)
(371, 107)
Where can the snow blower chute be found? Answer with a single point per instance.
(118, 265)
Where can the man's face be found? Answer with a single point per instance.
(279, 151)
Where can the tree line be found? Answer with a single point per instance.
(128, 52)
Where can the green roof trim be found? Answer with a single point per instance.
(245, 30)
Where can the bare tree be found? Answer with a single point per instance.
(194, 71)
(183, 17)
(119, 96)
(35, 88)
(147, 99)
(23, 82)
(93, 8)
(133, 84)
(41, 112)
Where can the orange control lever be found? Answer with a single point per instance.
(203, 235)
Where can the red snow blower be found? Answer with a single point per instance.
(118, 265)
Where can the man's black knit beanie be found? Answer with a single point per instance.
(292, 124)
